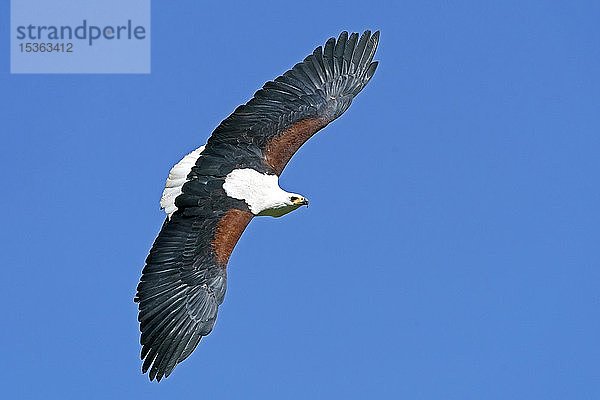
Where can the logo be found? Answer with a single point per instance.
(80, 36)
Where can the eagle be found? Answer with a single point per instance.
(213, 193)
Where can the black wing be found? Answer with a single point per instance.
(184, 281)
(266, 132)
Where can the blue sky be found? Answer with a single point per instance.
(450, 249)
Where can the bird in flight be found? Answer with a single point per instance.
(213, 193)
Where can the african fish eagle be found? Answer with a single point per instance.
(214, 192)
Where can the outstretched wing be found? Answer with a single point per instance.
(184, 279)
(266, 132)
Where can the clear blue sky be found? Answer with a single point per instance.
(450, 250)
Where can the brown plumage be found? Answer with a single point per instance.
(281, 148)
(229, 229)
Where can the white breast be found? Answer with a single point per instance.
(260, 191)
(177, 177)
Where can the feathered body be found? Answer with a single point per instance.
(214, 192)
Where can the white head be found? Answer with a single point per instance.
(261, 192)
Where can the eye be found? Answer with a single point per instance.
(294, 198)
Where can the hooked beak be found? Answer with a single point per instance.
(300, 201)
